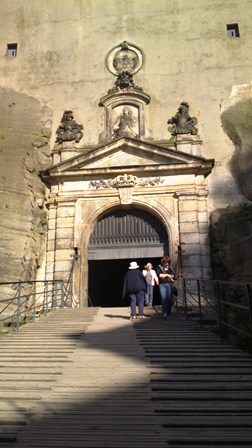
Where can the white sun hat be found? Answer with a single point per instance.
(133, 265)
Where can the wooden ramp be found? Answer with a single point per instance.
(92, 378)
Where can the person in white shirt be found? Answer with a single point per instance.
(151, 279)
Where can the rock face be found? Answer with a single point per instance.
(24, 134)
(231, 243)
(237, 123)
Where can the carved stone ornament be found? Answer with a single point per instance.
(68, 129)
(125, 195)
(182, 123)
(124, 61)
(123, 58)
(125, 181)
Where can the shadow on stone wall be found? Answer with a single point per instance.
(231, 243)
(237, 123)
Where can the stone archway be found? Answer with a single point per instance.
(88, 214)
(120, 236)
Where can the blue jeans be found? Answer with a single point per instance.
(166, 298)
(149, 294)
(137, 299)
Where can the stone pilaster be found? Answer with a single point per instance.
(193, 230)
(51, 241)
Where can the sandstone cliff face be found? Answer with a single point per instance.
(24, 134)
(231, 243)
(237, 123)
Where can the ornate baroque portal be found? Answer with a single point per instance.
(130, 194)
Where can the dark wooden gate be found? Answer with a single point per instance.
(123, 231)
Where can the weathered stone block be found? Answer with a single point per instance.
(189, 216)
(51, 235)
(66, 212)
(202, 206)
(205, 261)
(63, 255)
(64, 243)
(192, 272)
(205, 249)
(64, 232)
(51, 224)
(191, 249)
(50, 245)
(63, 266)
(206, 272)
(185, 206)
(189, 238)
(204, 239)
(189, 227)
(65, 222)
(202, 216)
(50, 256)
(192, 260)
(203, 227)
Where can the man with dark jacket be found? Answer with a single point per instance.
(135, 287)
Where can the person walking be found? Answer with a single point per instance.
(135, 286)
(166, 277)
(151, 279)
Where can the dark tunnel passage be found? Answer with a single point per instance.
(105, 281)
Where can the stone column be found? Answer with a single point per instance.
(51, 241)
(64, 244)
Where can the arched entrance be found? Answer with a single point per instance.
(120, 236)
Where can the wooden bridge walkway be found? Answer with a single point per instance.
(91, 378)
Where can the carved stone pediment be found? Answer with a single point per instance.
(131, 156)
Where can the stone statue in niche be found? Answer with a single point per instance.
(125, 124)
(182, 123)
(68, 129)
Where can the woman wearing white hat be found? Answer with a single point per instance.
(135, 287)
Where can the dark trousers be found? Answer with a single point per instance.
(137, 298)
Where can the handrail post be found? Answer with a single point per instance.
(185, 298)
(46, 297)
(34, 302)
(18, 306)
(219, 311)
(199, 300)
(62, 294)
(53, 295)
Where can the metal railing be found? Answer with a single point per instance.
(225, 306)
(24, 301)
